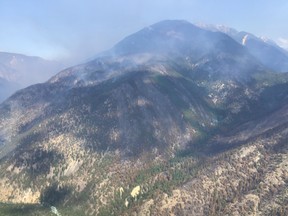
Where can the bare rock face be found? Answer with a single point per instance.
(174, 120)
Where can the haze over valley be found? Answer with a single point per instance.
(18, 71)
(176, 118)
(161, 112)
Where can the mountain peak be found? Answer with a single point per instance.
(218, 28)
(177, 38)
(116, 135)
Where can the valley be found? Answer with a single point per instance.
(173, 120)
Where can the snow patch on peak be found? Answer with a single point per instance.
(174, 34)
(150, 28)
(283, 43)
(265, 39)
(244, 39)
(218, 28)
(268, 41)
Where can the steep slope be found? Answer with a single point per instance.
(269, 54)
(249, 179)
(114, 136)
(7, 88)
(21, 71)
(265, 50)
(137, 75)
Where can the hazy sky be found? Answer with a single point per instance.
(79, 29)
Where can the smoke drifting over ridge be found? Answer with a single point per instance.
(77, 30)
(159, 38)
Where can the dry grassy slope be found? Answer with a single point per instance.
(83, 144)
(251, 179)
(80, 153)
(75, 154)
(88, 139)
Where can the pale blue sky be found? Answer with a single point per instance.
(79, 29)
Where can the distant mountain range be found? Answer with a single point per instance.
(173, 120)
(266, 50)
(18, 71)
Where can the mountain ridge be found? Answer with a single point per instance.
(266, 50)
(21, 71)
(180, 129)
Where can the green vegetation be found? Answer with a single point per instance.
(54, 195)
(24, 209)
(157, 179)
(119, 123)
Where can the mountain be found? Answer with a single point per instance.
(174, 119)
(21, 71)
(7, 88)
(265, 50)
(271, 55)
